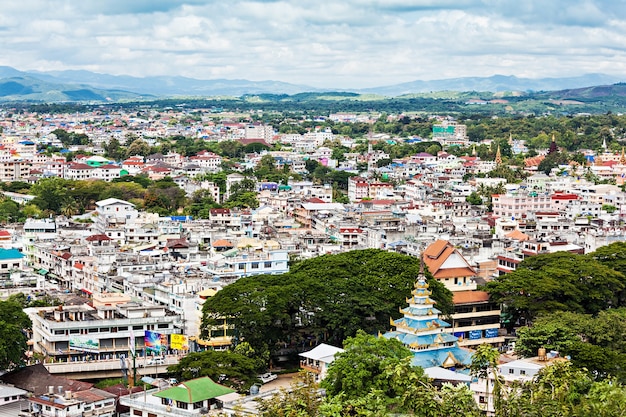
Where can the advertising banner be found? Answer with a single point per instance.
(179, 342)
(491, 332)
(475, 334)
(156, 343)
(84, 344)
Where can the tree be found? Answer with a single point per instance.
(596, 343)
(374, 376)
(560, 281)
(138, 147)
(361, 367)
(301, 400)
(51, 193)
(324, 299)
(485, 365)
(233, 369)
(13, 337)
(474, 199)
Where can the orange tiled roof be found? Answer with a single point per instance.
(436, 254)
(467, 297)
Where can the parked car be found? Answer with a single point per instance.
(267, 377)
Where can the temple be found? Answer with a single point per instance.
(422, 331)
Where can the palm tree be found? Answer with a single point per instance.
(69, 209)
(485, 363)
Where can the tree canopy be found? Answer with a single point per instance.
(324, 299)
(561, 281)
(13, 337)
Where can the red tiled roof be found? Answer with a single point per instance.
(97, 238)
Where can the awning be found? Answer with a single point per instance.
(85, 290)
(42, 271)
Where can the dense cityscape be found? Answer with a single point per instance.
(160, 249)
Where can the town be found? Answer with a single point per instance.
(118, 225)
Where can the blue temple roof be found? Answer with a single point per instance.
(420, 311)
(421, 324)
(422, 340)
(446, 357)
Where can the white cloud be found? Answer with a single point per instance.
(325, 43)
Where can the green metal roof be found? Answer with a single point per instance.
(194, 390)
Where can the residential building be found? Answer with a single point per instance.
(192, 398)
(318, 359)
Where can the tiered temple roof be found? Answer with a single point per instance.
(421, 330)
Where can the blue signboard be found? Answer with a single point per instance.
(491, 332)
(475, 334)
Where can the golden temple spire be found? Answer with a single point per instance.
(622, 159)
(498, 156)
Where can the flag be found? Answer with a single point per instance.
(131, 342)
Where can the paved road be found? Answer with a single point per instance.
(283, 381)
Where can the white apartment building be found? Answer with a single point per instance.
(70, 333)
(519, 205)
(112, 215)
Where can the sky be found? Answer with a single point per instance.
(318, 43)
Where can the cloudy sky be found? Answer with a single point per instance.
(320, 43)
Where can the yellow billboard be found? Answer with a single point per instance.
(179, 342)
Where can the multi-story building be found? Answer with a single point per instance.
(14, 170)
(101, 330)
(519, 205)
(358, 188)
(112, 215)
(248, 264)
(476, 320)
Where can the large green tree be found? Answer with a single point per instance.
(560, 281)
(235, 369)
(325, 299)
(14, 324)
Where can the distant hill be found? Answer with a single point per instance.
(494, 84)
(523, 94)
(25, 88)
(166, 86)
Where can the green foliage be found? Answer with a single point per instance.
(596, 343)
(327, 298)
(301, 400)
(13, 325)
(362, 366)
(240, 370)
(374, 376)
(474, 199)
(560, 281)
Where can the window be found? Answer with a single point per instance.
(240, 266)
(482, 399)
(267, 265)
(511, 371)
(137, 413)
(522, 372)
(255, 265)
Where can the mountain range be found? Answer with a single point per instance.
(86, 86)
